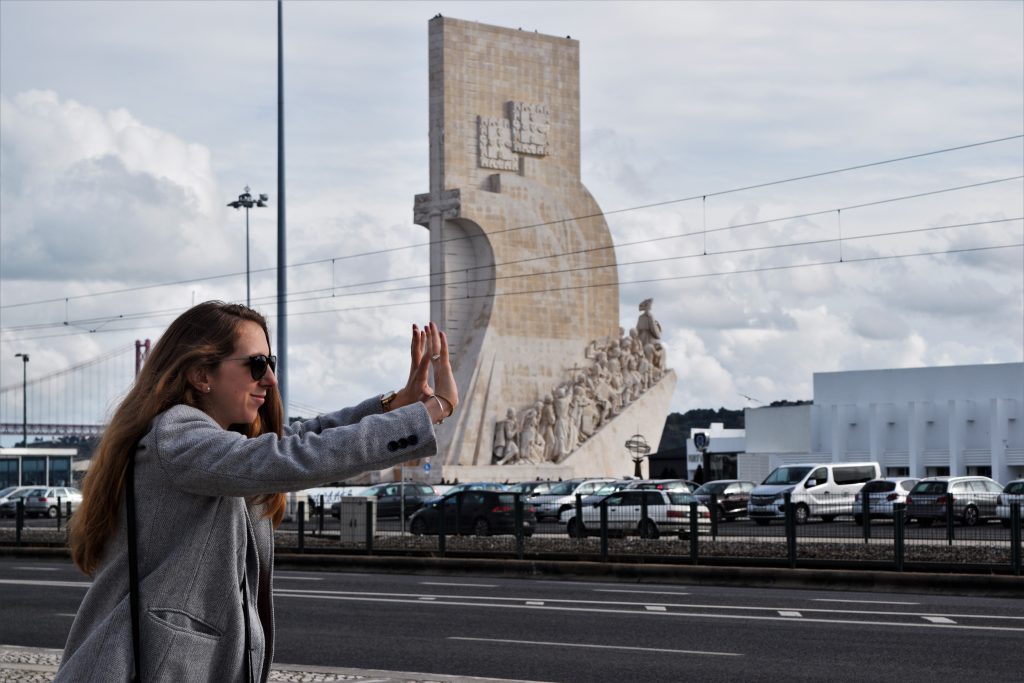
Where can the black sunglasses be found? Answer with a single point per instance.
(258, 365)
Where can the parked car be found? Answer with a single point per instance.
(12, 494)
(820, 490)
(528, 487)
(596, 496)
(1012, 493)
(667, 511)
(562, 496)
(42, 501)
(973, 499)
(389, 498)
(475, 511)
(472, 486)
(665, 484)
(882, 494)
(731, 496)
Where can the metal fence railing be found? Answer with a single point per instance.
(651, 526)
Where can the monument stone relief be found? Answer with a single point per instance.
(523, 271)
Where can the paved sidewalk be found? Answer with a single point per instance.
(39, 664)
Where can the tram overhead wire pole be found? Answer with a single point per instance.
(24, 397)
(245, 201)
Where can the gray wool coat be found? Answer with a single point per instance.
(198, 535)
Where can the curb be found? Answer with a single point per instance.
(979, 585)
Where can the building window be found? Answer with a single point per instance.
(980, 471)
(60, 472)
(936, 471)
(897, 471)
(33, 471)
(9, 472)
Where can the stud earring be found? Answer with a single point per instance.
(207, 389)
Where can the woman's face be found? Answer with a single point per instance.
(234, 396)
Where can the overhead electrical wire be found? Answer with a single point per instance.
(703, 196)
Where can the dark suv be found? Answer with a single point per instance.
(973, 499)
(389, 498)
(478, 512)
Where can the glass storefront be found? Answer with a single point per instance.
(60, 471)
(33, 471)
(8, 472)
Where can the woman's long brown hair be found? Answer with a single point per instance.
(201, 337)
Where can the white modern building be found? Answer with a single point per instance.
(965, 419)
(721, 457)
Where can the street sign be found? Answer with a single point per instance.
(426, 467)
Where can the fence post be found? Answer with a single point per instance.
(604, 531)
(899, 520)
(713, 505)
(949, 519)
(458, 512)
(19, 521)
(369, 526)
(1015, 537)
(579, 509)
(442, 508)
(643, 514)
(865, 511)
(517, 502)
(694, 533)
(790, 528)
(320, 509)
(301, 514)
(68, 515)
(59, 511)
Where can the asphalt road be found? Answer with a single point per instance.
(576, 631)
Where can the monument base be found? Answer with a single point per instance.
(602, 455)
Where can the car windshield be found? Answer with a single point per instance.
(563, 488)
(1014, 487)
(610, 487)
(930, 487)
(8, 491)
(879, 486)
(681, 498)
(713, 487)
(787, 475)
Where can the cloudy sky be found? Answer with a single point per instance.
(127, 126)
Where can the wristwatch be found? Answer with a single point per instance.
(386, 399)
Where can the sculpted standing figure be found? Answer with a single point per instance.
(564, 434)
(547, 428)
(505, 433)
(647, 328)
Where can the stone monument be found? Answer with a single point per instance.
(523, 271)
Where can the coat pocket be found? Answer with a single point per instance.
(178, 646)
(183, 621)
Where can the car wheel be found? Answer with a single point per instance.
(828, 518)
(52, 512)
(858, 520)
(971, 516)
(761, 522)
(723, 516)
(1005, 523)
(648, 529)
(801, 514)
(576, 528)
(418, 527)
(482, 528)
(925, 521)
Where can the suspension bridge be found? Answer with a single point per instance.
(73, 401)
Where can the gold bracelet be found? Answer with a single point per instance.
(451, 407)
(440, 405)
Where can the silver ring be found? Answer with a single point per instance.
(435, 357)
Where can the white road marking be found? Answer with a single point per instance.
(467, 585)
(611, 590)
(427, 597)
(299, 578)
(599, 647)
(789, 613)
(536, 603)
(40, 582)
(655, 608)
(66, 614)
(939, 620)
(460, 602)
(38, 569)
(865, 602)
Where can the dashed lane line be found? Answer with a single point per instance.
(939, 620)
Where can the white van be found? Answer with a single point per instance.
(823, 490)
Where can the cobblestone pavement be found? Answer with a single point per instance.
(38, 665)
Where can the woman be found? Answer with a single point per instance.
(211, 460)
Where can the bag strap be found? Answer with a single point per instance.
(133, 570)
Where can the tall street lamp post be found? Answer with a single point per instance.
(246, 201)
(24, 396)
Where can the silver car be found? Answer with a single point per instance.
(882, 494)
(562, 496)
(43, 501)
(971, 498)
(1012, 493)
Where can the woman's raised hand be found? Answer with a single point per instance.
(444, 378)
(429, 347)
